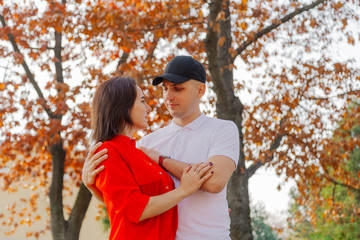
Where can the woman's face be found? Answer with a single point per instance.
(139, 111)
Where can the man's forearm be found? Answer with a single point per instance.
(97, 194)
(175, 167)
(223, 168)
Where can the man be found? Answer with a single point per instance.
(191, 137)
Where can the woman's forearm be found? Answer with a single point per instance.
(161, 203)
(191, 180)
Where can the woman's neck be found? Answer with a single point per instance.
(128, 131)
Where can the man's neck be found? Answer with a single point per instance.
(185, 121)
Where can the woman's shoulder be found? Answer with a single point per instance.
(109, 145)
(117, 148)
(116, 154)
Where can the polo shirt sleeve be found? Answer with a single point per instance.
(226, 141)
(119, 188)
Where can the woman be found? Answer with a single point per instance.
(139, 195)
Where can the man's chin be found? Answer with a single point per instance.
(178, 116)
(174, 114)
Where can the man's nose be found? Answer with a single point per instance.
(168, 95)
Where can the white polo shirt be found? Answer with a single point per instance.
(203, 215)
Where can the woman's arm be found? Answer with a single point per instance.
(191, 180)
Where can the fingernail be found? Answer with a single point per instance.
(212, 172)
(211, 163)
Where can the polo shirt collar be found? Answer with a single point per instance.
(173, 127)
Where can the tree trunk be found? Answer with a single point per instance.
(78, 213)
(228, 106)
(63, 229)
(239, 204)
(57, 223)
(60, 228)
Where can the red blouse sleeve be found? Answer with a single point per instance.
(119, 187)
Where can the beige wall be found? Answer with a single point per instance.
(91, 229)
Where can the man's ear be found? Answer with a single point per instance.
(201, 90)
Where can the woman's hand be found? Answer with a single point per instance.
(90, 169)
(194, 176)
(151, 153)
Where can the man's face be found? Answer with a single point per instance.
(182, 99)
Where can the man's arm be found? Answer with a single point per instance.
(90, 169)
(224, 151)
(223, 168)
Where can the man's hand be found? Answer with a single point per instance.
(90, 169)
(152, 154)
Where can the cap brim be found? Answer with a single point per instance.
(170, 77)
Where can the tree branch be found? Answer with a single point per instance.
(152, 49)
(58, 59)
(275, 25)
(328, 177)
(29, 75)
(357, 91)
(274, 145)
(333, 195)
(121, 61)
(34, 48)
(159, 26)
(253, 168)
(6, 68)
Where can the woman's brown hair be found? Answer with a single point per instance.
(111, 107)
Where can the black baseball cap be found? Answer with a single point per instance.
(181, 69)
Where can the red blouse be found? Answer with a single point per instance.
(127, 182)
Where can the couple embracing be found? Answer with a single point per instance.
(172, 185)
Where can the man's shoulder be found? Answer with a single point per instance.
(219, 123)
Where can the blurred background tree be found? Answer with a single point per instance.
(260, 223)
(338, 214)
